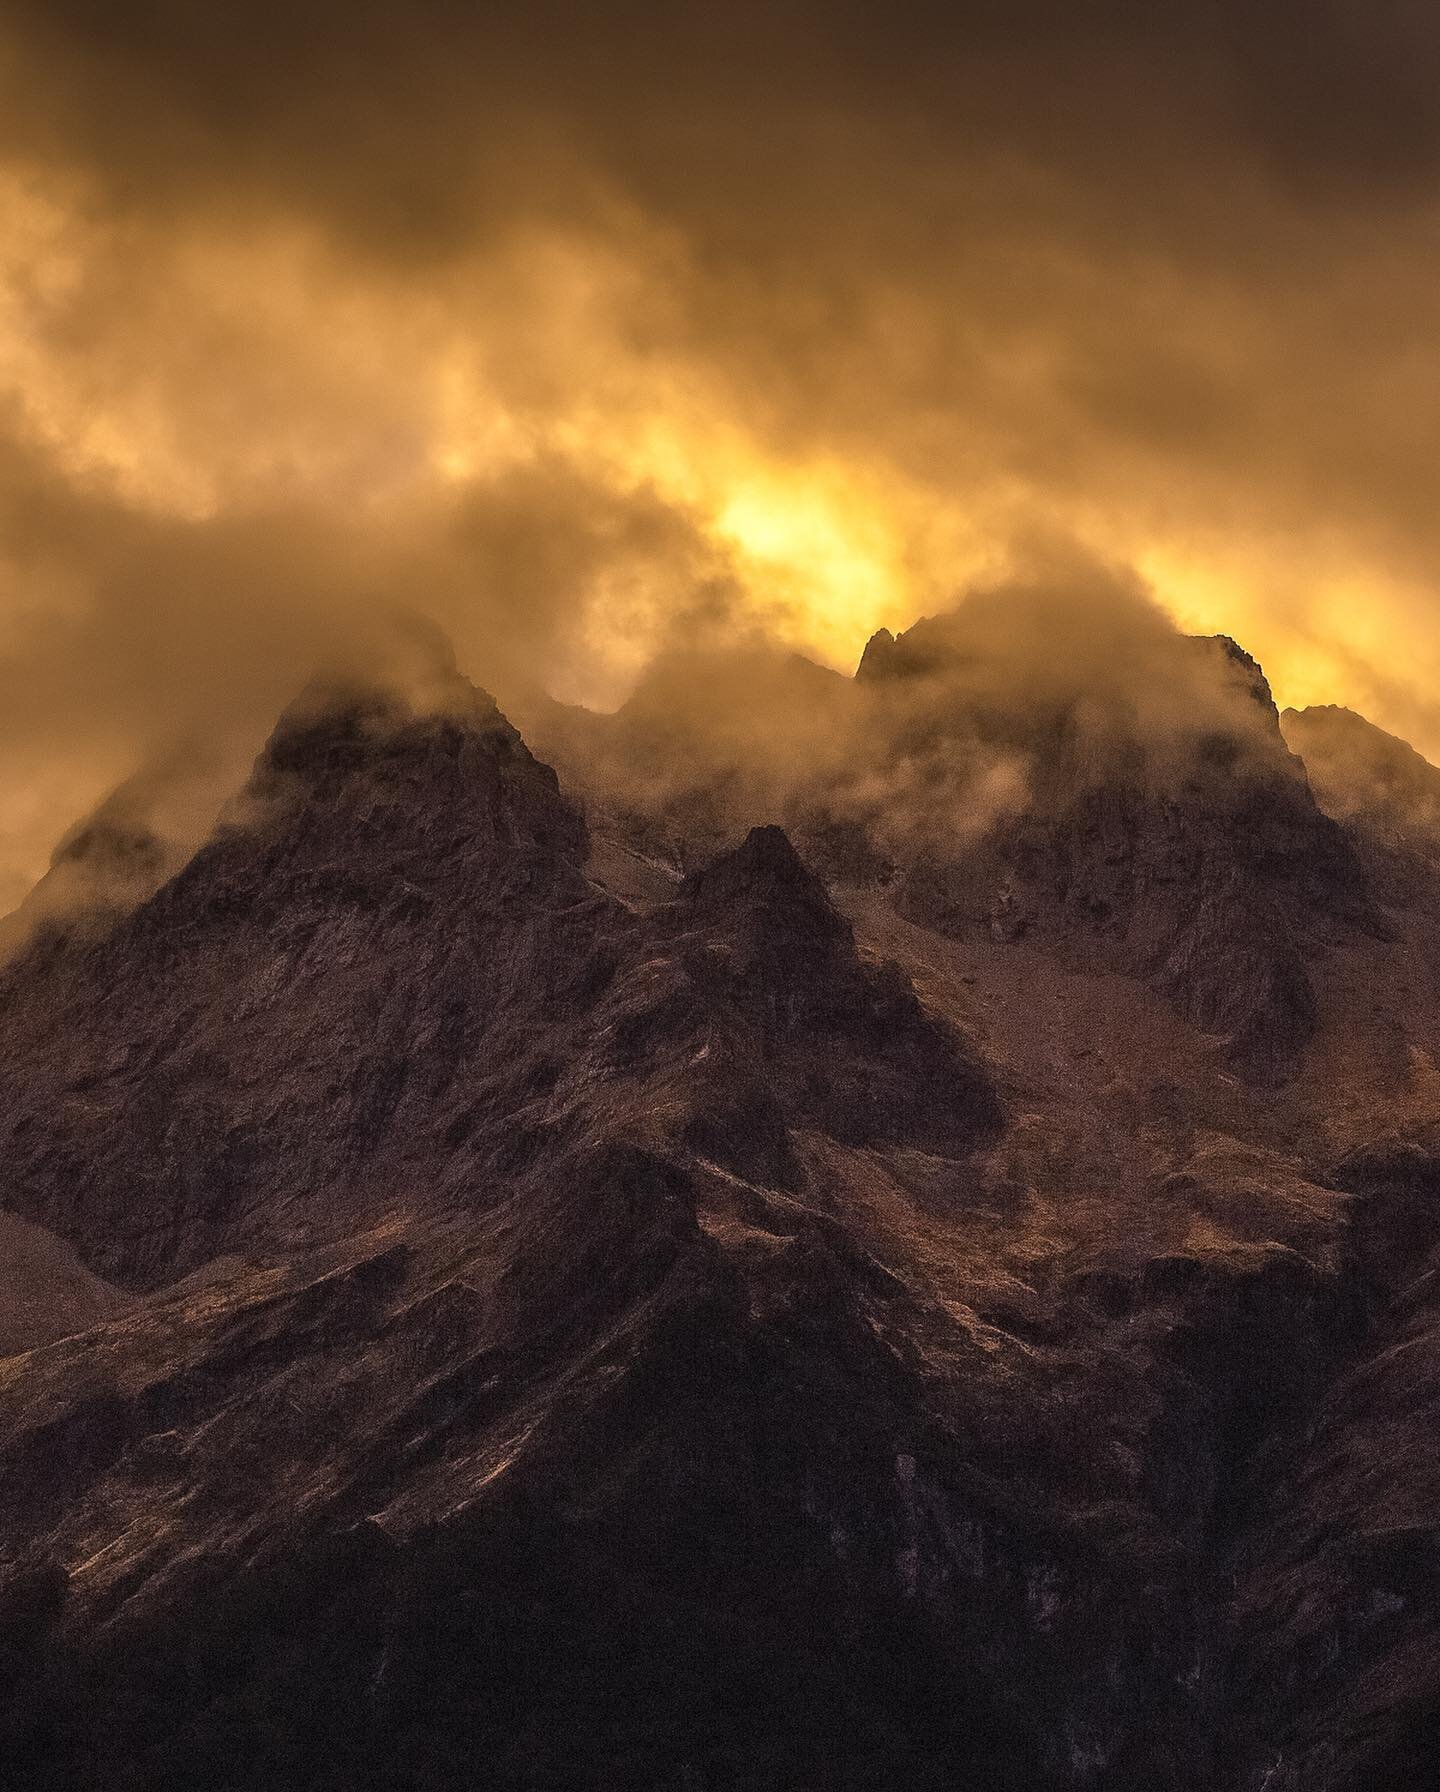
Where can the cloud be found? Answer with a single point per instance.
(1062, 670)
(577, 329)
(137, 639)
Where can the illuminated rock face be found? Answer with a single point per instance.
(507, 1314)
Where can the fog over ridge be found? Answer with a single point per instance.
(581, 335)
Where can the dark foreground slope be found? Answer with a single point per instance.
(568, 1325)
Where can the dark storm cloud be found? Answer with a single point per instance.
(1201, 222)
(420, 124)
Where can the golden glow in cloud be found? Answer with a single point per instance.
(197, 370)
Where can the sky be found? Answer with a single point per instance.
(583, 331)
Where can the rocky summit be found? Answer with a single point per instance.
(906, 1258)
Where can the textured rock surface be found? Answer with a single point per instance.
(509, 1313)
(1202, 865)
(45, 1291)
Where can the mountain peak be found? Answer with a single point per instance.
(1373, 782)
(1248, 668)
(401, 769)
(334, 725)
(763, 887)
(101, 869)
(764, 860)
(879, 657)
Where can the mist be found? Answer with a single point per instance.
(1063, 675)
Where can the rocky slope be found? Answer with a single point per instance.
(539, 1300)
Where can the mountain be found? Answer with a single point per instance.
(1143, 816)
(1379, 787)
(554, 1281)
(1202, 864)
(98, 873)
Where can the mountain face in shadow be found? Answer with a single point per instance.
(1202, 865)
(554, 1281)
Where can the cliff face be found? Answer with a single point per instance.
(1197, 861)
(306, 995)
(508, 1312)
